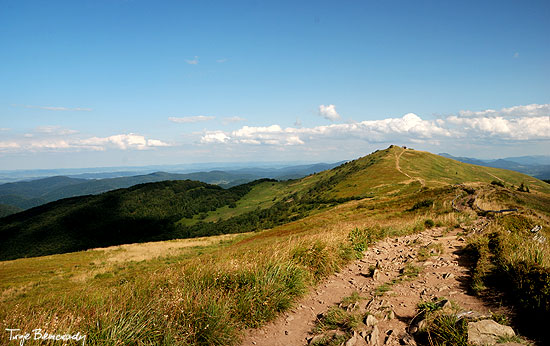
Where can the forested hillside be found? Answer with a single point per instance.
(141, 213)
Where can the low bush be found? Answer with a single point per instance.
(421, 205)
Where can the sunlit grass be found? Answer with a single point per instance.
(174, 293)
(201, 295)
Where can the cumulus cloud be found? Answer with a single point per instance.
(122, 141)
(66, 140)
(329, 112)
(192, 119)
(214, 137)
(273, 135)
(532, 110)
(518, 123)
(410, 125)
(520, 128)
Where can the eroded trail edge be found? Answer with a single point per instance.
(395, 275)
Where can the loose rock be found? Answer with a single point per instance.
(487, 332)
(371, 320)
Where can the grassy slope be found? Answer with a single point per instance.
(261, 196)
(437, 171)
(422, 167)
(206, 298)
(240, 284)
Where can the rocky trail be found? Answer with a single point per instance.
(390, 280)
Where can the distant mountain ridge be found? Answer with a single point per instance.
(28, 194)
(536, 166)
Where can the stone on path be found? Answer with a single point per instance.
(487, 332)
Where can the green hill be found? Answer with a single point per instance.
(141, 213)
(184, 209)
(28, 194)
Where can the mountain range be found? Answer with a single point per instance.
(23, 195)
(536, 166)
(182, 209)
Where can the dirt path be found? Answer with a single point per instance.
(398, 167)
(442, 274)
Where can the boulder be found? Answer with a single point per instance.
(407, 339)
(487, 332)
(356, 340)
(352, 341)
(315, 339)
(391, 338)
(370, 320)
(376, 275)
(373, 338)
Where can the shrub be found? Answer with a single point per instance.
(523, 188)
(336, 318)
(359, 241)
(422, 204)
(497, 183)
(317, 258)
(429, 223)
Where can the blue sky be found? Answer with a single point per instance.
(110, 83)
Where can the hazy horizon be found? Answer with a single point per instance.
(135, 83)
(213, 165)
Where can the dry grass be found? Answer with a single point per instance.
(145, 251)
(204, 292)
(196, 292)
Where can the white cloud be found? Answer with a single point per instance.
(122, 141)
(520, 128)
(410, 125)
(518, 123)
(54, 130)
(329, 112)
(214, 137)
(64, 109)
(4, 129)
(192, 119)
(233, 120)
(49, 144)
(532, 110)
(8, 145)
(221, 61)
(194, 61)
(56, 141)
